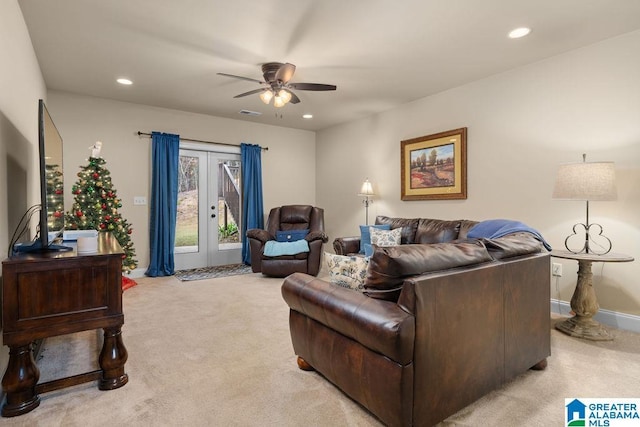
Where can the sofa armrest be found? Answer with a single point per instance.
(316, 235)
(346, 245)
(381, 326)
(262, 235)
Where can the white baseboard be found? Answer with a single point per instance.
(615, 319)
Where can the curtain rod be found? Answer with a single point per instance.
(199, 140)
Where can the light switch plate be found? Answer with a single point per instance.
(139, 200)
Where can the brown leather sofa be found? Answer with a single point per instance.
(287, 218)
(438, 325)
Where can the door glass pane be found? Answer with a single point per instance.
(187, 218)
(228, 203)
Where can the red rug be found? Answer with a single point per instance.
(128, 283)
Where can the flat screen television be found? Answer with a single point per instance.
(51, 224)
(51, 180)
(51, 221)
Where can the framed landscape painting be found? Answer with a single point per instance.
(434, 167)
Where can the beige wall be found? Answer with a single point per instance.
(521, 125)
(288, 165)
(21, 85)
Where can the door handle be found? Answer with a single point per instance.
(213, 215)
(213, 207)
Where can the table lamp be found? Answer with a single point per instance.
(588, 181)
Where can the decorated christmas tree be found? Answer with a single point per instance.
(96, 205)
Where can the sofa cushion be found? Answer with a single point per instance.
(347, 271)
(365, 234)
(388, 267)
(409, 227)
(513, 245)
(465, 226)
(436, 231)
(295, 217)
(383, 238)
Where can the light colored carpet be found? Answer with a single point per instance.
(217, 352)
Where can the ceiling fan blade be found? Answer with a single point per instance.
(294, 98)
(251, 92)
(311, 86)
(241, 78)
(285, 72)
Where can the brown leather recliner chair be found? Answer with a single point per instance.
(287, 218)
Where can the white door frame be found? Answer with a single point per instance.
(208, 252)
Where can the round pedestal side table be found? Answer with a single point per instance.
(584, 302)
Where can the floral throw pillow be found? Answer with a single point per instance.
(347, 271)
(385, 238)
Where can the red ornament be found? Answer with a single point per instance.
(58, 191)
(102, 226)
(104, 206)
(110, 194)
(79, 214)
(57, 214)
(129, 231)
(78, 191)
(107, 217)
(95, 175)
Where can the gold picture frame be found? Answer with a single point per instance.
(434, 167)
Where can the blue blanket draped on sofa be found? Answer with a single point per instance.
(494, 228)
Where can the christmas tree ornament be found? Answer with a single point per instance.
(95, 150)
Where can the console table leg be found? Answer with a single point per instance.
(112, 359)
(585, 305)
(19, 382)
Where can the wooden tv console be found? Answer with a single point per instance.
(45, 294)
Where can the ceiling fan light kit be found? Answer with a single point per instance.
(266, 96)
(276, 84)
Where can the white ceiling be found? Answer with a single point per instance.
(379, 53)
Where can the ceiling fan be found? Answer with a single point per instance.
(277, 85)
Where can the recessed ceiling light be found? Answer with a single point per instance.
(307, 116)
(519, 32)
(124, 81)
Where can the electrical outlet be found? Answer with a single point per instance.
(556, 269)
(139, 200)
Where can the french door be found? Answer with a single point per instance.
(209, 219)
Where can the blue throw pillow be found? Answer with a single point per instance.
(365, 235)
(291, 235)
